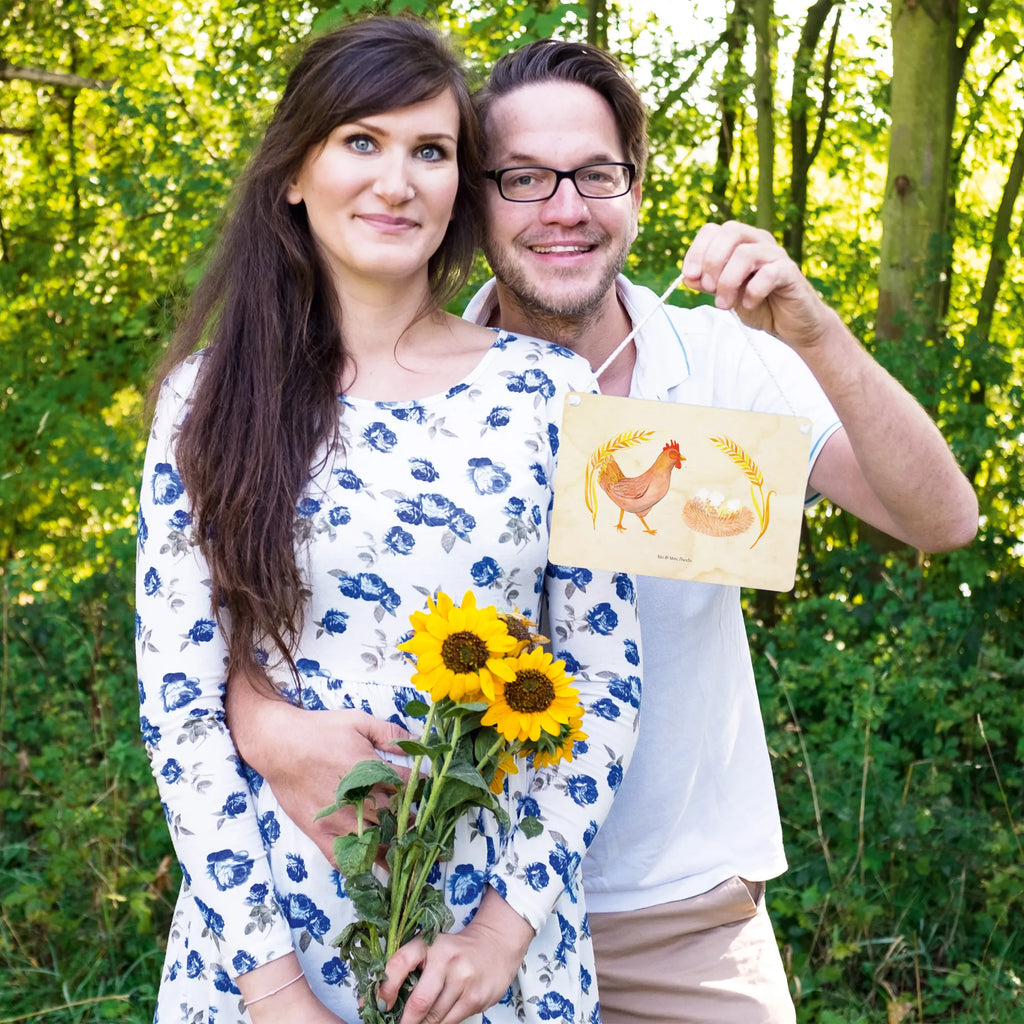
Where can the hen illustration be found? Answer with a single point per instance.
(636, 494)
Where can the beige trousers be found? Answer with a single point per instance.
(710, 959)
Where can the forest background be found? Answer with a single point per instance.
(882, 143)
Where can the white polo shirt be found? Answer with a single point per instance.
(698, 803)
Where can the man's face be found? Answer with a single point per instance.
(557, 257)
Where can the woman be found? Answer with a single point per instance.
(341, 449)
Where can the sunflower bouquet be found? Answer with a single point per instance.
(496, 697)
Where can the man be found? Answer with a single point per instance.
(675, 879)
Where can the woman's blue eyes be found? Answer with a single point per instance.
(431, 152)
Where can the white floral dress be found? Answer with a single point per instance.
(450, 492)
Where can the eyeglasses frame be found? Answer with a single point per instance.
(560, 176)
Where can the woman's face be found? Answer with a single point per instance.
(379, 191)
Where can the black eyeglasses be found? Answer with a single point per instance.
(535, 184)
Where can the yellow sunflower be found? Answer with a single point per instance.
(521, 628)
(457, 648)
(550, 750)
(531, 695)
(506, 766)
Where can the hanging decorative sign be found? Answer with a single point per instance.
(682, 491)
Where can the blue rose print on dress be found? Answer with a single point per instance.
(349, 480)
(602, 619)
(202, 631)
(400, 541)
(302, 912)
(257, 894)
(537, 876)
(172, 770)
(632, 652)
(461, 523)
(167, 485)
(625, 589)
(615, 776)
(554, 1006)
(339, 516)
(627, 690)
(380, 437)
(334, 622)
(465, 884)
(335, 971)
(178, 691)
(194, 965)
(488, 477)
(229, 868)
(566, 864)
(553, 438)
(423, 470)
(270, 828)
(210, 917)
(567, 944)
(368, 586)
(498, 417)
(142, 530)
(307, 508)
(515, 506)
(582, 789)
(532, 381)
(590, 834)
(436, 509)
(539, 474)
(150, 732)
(151, 582)
(296, 867)
(485, 572)
(180, 520)
(244, 962)
(413, 413)
(235, 805)
(606, 708)
(222, 982)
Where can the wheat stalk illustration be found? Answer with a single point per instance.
(754, 475)
(627, 439)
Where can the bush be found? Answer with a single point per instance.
(896, 730)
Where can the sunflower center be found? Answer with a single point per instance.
(464, 652)
(529, 691)
(517, 627)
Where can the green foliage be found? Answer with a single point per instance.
(896, 731)
(890, 684)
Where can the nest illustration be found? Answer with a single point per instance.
(713, 516)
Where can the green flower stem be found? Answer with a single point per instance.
(498, 744)
(403, 916)
(402, 818)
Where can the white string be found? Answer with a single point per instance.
(657, 306)
(767, 369)
(637, 328)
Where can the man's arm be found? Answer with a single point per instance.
(888, 465)
(304, 754)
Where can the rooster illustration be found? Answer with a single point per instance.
(636, 494)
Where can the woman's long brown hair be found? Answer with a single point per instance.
(265, 401)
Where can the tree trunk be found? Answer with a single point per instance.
(597, 23)
(729, 92)
(916, 206)
(803, 151)
(764, 73)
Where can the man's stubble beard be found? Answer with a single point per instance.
(555, 317)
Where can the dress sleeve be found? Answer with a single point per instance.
(591, 618)
(181, 656)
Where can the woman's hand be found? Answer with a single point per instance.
(294, 1003)
(304, 754)
(464, 973)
